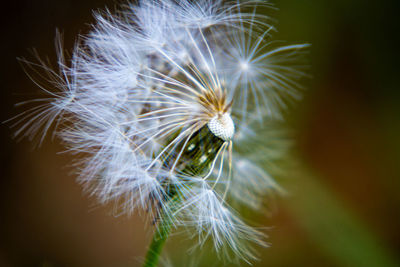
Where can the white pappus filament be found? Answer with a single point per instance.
(152, 96)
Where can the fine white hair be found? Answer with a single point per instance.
(145, 83)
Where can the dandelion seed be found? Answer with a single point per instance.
(155, 98)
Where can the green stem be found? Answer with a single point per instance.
(160, 237)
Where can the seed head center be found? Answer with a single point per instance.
(222, 126)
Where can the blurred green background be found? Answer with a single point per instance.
(343, 207)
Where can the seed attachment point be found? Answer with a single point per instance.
(222, 126)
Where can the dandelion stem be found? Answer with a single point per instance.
(160, 237)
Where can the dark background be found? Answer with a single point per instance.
(343, 209)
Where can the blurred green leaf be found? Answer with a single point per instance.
(335, 228)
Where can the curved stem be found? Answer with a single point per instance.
(160, 237)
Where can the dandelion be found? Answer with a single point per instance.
(155, 96)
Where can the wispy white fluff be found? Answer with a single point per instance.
(263, 73)
(207, 212)
(144, 82)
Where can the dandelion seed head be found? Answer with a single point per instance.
(148, 99)
(222, 126)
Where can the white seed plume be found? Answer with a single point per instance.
(144, 86)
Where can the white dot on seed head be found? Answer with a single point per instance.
(222, 126)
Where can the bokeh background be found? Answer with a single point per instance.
(344, 202)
